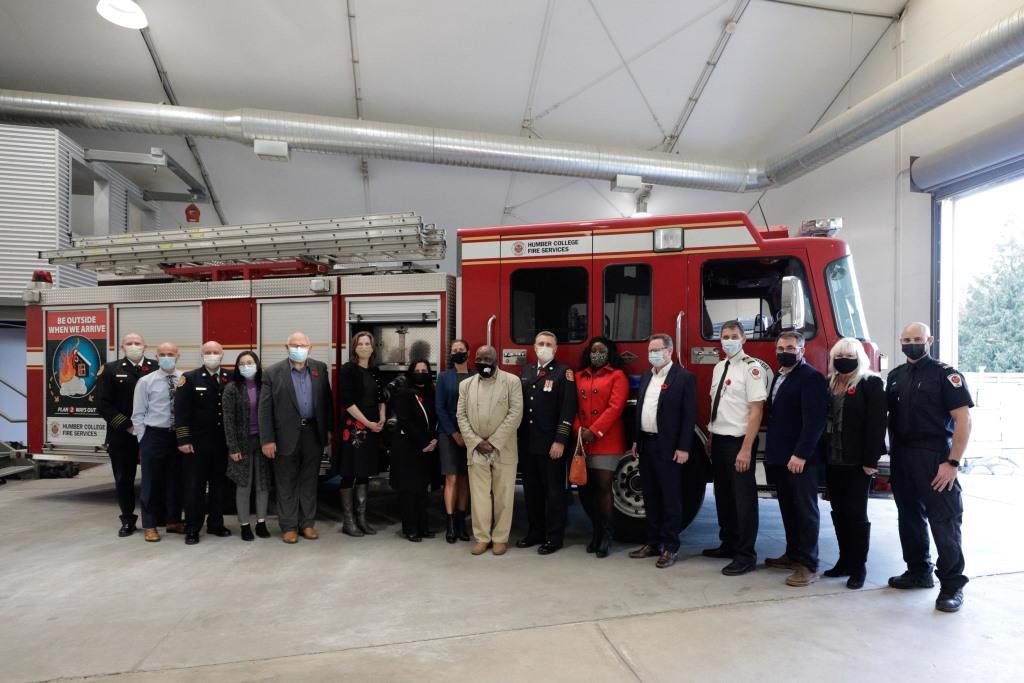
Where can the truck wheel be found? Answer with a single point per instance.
(627, 494)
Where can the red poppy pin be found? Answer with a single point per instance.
(728, 382)
(851, 391)
(345, 435)
(145, 368)
(664, 387)
(315, 373)
(224, 378)
(542, 373)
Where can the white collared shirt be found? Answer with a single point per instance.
(746, 382)
(649, 409)
(152, 405)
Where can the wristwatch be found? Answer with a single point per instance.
(954, 463)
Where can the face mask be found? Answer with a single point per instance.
(656, 358)
(211, 360)
(167, 362)
(298, 353)
(544, 354)
(486, 370)
(599, 359)
(786, 359)
(459, 357)
(914, 351)
(247, 371)
(133, 352)
(420, 378)
(732, 346)
(845, 365)
(364, 351)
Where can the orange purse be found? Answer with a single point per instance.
(578, 467)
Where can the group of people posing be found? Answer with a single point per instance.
(258, 425)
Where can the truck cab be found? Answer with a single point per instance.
(682, 275)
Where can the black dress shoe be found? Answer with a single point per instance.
(837, 571)
(548, 548)
(667, 559)
(247, 533)
(428, 534)
(721, 552)
(737, 568)
(261, 530)
(191, 537)
(222, 532)
(127, 529)
(949, 601)
(528, 542)
(855, 581)
(415, 538)
(908, 580)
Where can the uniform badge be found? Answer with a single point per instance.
(956, 380)
(569, 376)
(181, 381)
(549, 384)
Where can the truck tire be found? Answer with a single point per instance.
(627, 494)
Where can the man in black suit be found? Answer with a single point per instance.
(296, 413)
(797, 409)
(115, 390)
(549, 406)
(665, 415)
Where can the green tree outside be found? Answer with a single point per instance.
(991, 334)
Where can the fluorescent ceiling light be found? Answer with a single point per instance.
(124, 13)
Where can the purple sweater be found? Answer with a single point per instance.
(254, 407)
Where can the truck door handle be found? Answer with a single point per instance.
(679, 338)
(490, 329)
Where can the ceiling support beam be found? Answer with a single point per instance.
(357, 86)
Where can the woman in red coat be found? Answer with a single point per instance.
(603, 389)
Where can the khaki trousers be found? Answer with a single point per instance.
(492, 492)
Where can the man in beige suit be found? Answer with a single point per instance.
(490, 409)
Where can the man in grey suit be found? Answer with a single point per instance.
(296, 413)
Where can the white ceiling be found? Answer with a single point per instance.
(457, 64)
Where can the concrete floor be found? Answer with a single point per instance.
(77, 601)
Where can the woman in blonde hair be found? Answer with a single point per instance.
(854, 440)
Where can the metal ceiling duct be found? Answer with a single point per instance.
(991, 53)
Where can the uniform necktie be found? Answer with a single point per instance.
(171, 384)
(718, 392)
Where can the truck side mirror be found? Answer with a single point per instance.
(792, 314)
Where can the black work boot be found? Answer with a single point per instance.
(361, 491)
(449, 532)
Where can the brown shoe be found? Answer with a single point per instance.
(802, 576)
(176, 528)
(783, 561)
(310, 533)
(666, 560)
(499, 548)
(644, 551)
(151, 535)
(479, 548)
(290, 537)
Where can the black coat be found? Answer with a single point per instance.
(549, 407)
(796, 416)
(197, 411)
(677, 411)
(864, 421)
(416, 426)
(115, 391)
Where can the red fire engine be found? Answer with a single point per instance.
(623, 278)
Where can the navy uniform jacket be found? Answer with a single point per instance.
(549, 406)
(677, 412)
(197, 411)
(796, 418)
(920, 396)
(115, 391)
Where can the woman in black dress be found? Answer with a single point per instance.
(362, 421)
(415, 439)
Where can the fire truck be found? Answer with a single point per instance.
(248, 287)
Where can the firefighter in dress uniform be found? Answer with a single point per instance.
(549, 406)
(199, 428)
(115, 389)
(929, 425)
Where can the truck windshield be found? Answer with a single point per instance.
(845, 297)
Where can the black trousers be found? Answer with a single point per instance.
(544, 488)
(919, 506)
(848, 488)
(123, 449)
(735, 498)
(662, 483)
(414, 511)
(297, 475)
(798, 503)
(203, 472)
(160, 494)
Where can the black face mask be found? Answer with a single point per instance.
(914, 351)
(459, 357)
(486, 370)
(786, 359)
(845, 365)
(420, 378)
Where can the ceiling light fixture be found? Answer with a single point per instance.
(125, 13)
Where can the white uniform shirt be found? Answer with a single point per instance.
(151, 406)
(746, 382)
(649, 410)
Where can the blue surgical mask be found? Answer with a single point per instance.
(298, 353)
(247, 371)
(732, 346)
(167, 362)
(656, 358)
